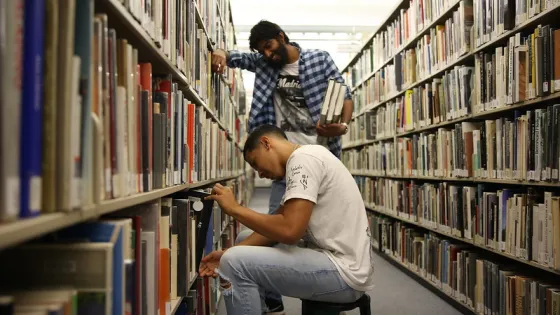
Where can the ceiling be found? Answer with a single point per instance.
(311, 12)
(337, 26)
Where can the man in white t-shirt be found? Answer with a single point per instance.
(322, 205)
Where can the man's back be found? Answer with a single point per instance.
(338, 224)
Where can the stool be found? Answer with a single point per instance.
(309, 307)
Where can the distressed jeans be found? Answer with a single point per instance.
(277, 190)
(249, 271)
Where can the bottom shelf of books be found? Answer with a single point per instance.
(480, 281)
(138, 260)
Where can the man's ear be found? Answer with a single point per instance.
(265, 141)
(281, 39)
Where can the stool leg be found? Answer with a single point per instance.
(307, 309)
(365, 309)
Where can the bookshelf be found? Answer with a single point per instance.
(434, 228)
(454, 145)
(126, 125)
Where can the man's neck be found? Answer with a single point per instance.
(287, 149)
(293, 53)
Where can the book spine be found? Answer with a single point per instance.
(11, 77)
(32, 105)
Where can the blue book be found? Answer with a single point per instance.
(32, 107)
(83, 45)
(209, 246)
(101, 232)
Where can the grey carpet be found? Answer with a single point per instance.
(394, 292)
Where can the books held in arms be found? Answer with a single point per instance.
(332, 106)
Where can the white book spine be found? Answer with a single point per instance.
(76, 114)
(11, 47)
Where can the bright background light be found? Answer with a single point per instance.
(337, 26)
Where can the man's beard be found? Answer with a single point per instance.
(282, 53)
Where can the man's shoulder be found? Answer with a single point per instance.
(311, 151)
(314, 53)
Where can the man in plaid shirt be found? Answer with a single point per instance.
(290, 85)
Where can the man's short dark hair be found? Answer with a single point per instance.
(254, 137)
(265, 30)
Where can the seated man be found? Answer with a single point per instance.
(322, 205)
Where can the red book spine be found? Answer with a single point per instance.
(190, 139)
(146, 82)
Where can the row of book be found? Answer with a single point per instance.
(439, 48)
(138, 260)
(174, 28)
(444, 99)
(521, 223)
(485, 21)
(483, 283)
(522, 147)
(380, 87)
(526, 68)
(413, 18)
(523, 70)
(495, 17)
(134, 261)
(117, 128)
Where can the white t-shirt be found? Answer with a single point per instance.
(290, 108)
(338, 225)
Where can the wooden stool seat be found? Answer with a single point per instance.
(309, 307)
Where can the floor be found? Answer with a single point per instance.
(394, 292)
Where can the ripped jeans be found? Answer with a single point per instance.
(287, 270)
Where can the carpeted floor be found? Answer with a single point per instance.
(394, 293)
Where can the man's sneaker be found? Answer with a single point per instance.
(274, 307)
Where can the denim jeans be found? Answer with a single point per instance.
(286, 270)
(277, 191)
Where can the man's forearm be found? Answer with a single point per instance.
(272, 227)
(347, 109)
(255, 239)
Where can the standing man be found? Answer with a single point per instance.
(290, 85)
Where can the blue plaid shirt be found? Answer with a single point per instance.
(315, 69)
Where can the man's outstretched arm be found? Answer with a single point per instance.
(233, 59)
(286, 226)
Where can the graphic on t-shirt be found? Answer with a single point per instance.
(303, 181)
(295, 116)
(290, 181)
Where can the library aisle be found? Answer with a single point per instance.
(394, 292)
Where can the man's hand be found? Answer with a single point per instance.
(219, 59)
(225, 198)
(330, 130)
(210, 263)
